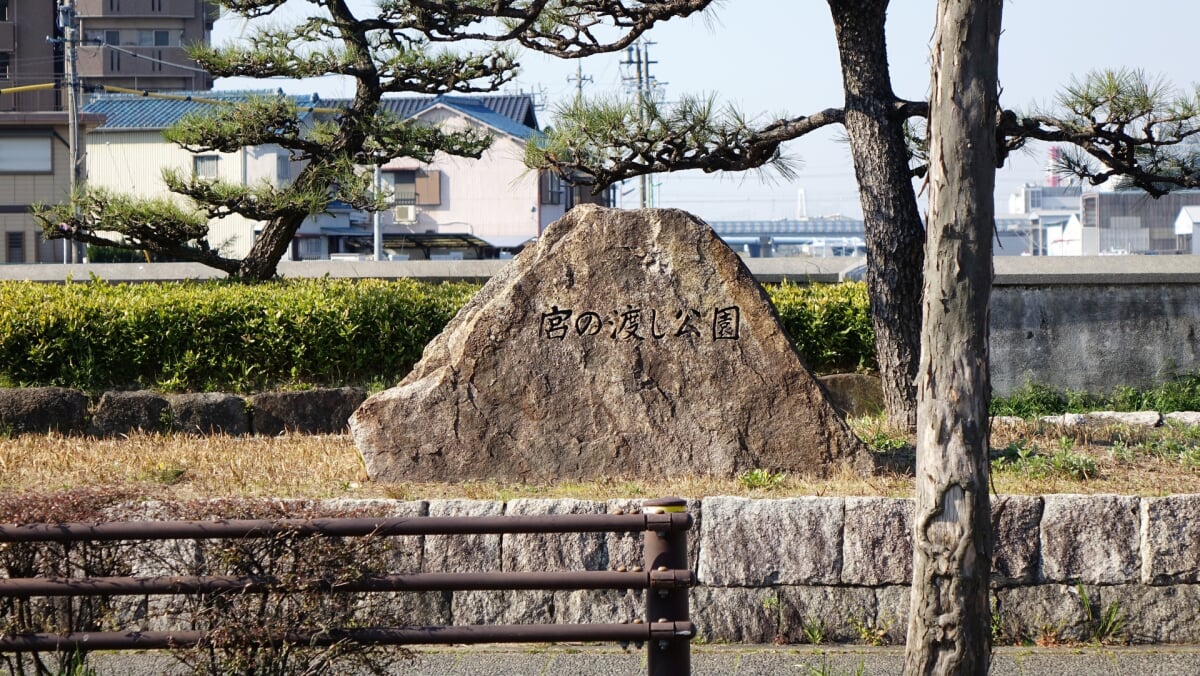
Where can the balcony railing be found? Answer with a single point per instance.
(128, 61)
(171, 9)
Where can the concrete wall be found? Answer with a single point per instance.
(833, 565)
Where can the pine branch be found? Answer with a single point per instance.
(608, 141)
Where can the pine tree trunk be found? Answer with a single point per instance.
(895, 237)
(949, 628)
(269, 248)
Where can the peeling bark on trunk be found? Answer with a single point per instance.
(895, 237)
(949, 628)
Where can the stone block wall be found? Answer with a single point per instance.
(45, 409)
(835, 568)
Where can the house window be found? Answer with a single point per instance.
(283, 170)
(422, 187)
(204, 167)
(14, 250)
(404, 187)
(112, 37)
(552, 188)
(310, 248)
(3, 66)
(26, 155)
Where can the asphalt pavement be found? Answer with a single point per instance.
(734, 661)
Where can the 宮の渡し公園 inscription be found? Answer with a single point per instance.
(636, 323)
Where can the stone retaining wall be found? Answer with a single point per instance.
(792, 570)
(65, 410)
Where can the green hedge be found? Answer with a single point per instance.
(217, 335)
(209, 336)
(830, 324)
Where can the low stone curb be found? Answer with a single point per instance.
(47, 409)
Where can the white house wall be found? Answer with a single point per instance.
(132, 162)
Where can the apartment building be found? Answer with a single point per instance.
(126, 43)
(27, 57)
(139, 43)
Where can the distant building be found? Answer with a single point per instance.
(27, 57)
(1186, 240)
(1045, 200)
(139, 43)
(126, 43)
(1131, 221)
(819, 236)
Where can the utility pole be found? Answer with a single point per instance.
(645, 87)
(70, 39)
(579, 78)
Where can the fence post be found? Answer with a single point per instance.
(667, 550)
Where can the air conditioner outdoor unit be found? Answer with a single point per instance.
(405, 213)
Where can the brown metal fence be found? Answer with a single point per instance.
(667, 628)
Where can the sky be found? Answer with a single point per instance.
(773, 58)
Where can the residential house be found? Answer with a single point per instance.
(450, 207)
(494, 203)
(128, 153)
(35, 167)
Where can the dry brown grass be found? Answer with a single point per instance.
(1027, 459)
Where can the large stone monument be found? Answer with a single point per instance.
(623, 344)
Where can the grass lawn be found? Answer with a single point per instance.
(1027, 458)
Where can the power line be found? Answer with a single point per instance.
(152, 59)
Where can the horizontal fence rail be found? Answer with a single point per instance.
(666, 576)
(183, 584)
(423, 525)
(500, 633)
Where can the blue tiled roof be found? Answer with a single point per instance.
(485, 115)
(133, 111)
(508, 113)
(516, 107)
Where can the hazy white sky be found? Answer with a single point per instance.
(777, 57)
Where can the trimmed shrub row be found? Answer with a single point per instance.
(218, 336)
(221, 336)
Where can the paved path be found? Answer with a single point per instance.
(741, 661)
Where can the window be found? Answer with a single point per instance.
(14, 250)
(4, 10)
(283, 170)
(552, 188)
(154, 38)
(204, 167)
(112, 37)
(4, 66)
(422, 187)
(404, 186)
(310, 248)
(26, 155)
